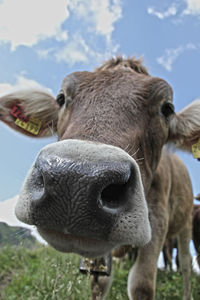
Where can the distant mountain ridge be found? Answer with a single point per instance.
(16, 236)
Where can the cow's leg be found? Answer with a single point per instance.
(167, 256)
(196, 242)
(185, 260)
(100, 287)
(142, 276)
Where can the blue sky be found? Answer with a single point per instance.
(41, 41)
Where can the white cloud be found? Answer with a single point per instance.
(105, 15)
(171, 11)
(100, 14)
(21, 83)
(97, 19)
(75, 51)
(45, 53)
(27, 22)
(193, 7)
(78, 51)
(171, 55)
(7, 215)
(190, 46)
(7, 212)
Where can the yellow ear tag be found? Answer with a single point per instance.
(196, 149)
(33, 125)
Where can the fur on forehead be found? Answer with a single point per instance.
(122, 63)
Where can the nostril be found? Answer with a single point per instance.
(113, 196)
(38, 182)
(37, 195)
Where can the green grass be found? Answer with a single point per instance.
(41, 274)
(47, 274)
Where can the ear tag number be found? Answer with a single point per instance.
(196, 149)
(17, 112)
(33, 125)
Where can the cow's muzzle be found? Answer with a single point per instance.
(85, 190)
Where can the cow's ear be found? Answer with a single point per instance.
(185, 127)
(31, 112)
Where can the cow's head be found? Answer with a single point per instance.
(86, 192)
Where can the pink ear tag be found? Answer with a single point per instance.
(31, 124)
(17, 112)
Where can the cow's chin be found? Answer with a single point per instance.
(87, 247)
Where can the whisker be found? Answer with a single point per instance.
(16, 238)
(20, 233)
(135, 152)
(126, 148)
(51, 128)
(131, 151)
(139, 159)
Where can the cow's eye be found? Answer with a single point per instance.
(167, 109)
(60, 99)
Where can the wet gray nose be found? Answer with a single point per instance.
(101, 184)
(85, 189)
(91, 192)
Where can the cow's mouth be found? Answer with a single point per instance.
(84, 246)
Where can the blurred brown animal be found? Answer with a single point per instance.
(172, 243)
(169, 245)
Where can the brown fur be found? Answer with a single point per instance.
(171, 243)
(186, 124)
(119, 62)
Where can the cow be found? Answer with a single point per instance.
(109, 180)
(172, 243)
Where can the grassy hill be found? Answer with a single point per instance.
(16, 236)
(47, 274)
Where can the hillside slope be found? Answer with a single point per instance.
(16, 236)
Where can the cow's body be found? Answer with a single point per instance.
(172, 243)
(88, 193)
